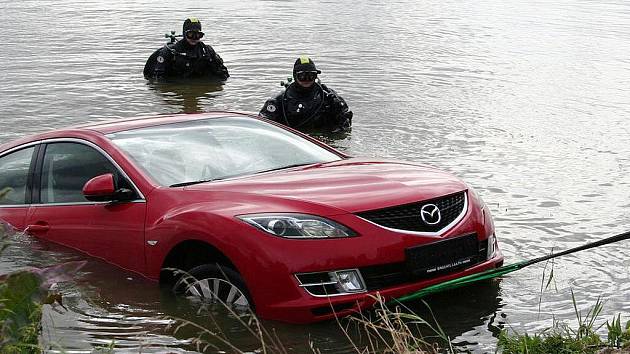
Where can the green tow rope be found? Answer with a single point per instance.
(489, 274)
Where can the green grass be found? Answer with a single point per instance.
(20, 313)
(562, 338)
(20, 308)
(382, 330)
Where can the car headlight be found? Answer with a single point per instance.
(297, 225)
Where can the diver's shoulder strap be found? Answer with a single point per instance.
(170, 49)
(328, 91)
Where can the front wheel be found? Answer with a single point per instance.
(215, 283)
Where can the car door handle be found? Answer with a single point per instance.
(37, 228)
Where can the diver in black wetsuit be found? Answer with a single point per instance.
(188, 58)
(308, 105)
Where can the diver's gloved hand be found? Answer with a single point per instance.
(345, 123)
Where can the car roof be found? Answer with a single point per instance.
(117, 125)
(113, 126)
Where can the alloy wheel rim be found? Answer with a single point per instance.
(218, 290)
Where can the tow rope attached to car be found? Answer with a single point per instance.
(492, 273)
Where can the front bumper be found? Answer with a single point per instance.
(308, 308)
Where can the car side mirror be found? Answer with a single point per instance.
(102, 188)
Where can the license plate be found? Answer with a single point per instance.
(442, 256)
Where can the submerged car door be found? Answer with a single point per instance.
(113, 231)
(16, 170)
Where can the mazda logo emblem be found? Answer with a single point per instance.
(430, 214)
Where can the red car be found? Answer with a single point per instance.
(260, 215)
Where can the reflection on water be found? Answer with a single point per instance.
(189, 96)
(466, 314)
(338, 140)
(526, 101)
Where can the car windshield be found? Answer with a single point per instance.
(212, 149)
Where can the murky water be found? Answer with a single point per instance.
(526, 101)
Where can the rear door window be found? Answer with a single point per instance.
(14, 172)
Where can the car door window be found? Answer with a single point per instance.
(14, 170)
(66, 169)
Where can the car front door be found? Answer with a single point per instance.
(113, 231)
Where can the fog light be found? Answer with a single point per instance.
(348, 281)
(491, 246)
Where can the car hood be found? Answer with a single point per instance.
(352, 185)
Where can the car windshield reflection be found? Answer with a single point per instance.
(206, 150)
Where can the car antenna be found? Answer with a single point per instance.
(492, 273)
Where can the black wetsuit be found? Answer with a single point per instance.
(317, 107)
(183, 61)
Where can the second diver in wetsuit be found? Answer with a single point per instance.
(308, 105)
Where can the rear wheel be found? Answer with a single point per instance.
(215, 283)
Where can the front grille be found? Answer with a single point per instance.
(387, 275)
(408, 216)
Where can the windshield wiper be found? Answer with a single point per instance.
(183, 184)
(288, 166)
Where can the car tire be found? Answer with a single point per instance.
(215, 283)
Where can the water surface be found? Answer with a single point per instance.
(526, 101)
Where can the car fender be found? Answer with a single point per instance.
(163, 235)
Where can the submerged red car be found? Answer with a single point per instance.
(260, 215)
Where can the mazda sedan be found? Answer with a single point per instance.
(260, 216)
